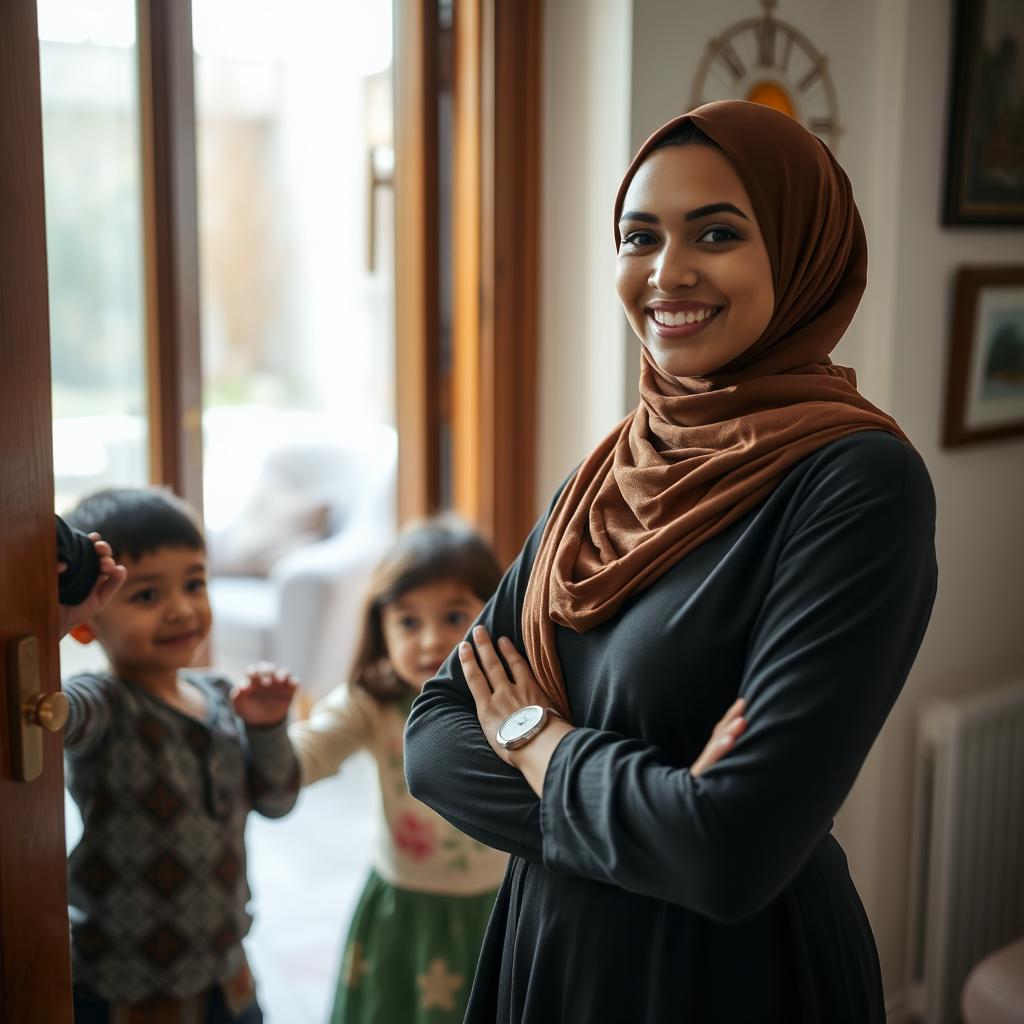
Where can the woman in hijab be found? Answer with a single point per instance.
(755, 531)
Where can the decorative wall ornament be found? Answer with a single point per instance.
(985, 377)
(985, 145)
(766, 60)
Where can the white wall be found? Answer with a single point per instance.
(586, 146)
(608, 87)
(975, 636)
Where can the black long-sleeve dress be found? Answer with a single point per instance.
(638, 892)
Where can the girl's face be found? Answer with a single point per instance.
(693, 272)
(423, 626)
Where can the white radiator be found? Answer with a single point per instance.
(967, 867)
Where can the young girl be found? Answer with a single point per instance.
(415, 936)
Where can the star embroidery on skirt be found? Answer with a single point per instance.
(439, 986)
(356, 965)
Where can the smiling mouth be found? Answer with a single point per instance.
(181, 638)
(681, 323)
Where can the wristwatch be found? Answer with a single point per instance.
(521, 726)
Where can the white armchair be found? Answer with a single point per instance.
(303, 613)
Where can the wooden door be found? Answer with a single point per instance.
(35, 981)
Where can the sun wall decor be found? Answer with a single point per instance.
(767, 60)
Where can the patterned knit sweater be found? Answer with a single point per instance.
(157, 883)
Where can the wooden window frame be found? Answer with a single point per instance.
(171, 246)
(498, 59)
(419, 381)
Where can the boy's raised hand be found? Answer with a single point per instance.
(264, 697)
(107, 584)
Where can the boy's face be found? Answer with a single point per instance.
(161, 616)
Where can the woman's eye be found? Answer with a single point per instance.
(718, 235)
(147, 596)
(638, 239)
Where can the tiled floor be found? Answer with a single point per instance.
(306, 872)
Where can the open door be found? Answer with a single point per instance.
(35, 983)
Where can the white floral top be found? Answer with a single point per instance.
(416, 849)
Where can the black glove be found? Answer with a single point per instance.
(75, 549)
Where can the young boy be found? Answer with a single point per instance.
(164, 764)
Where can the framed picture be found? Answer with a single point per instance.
(985, 144)
(985, 390)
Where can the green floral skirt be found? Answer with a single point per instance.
(410, 956)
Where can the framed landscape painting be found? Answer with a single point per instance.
(985, 388)
(985, 144)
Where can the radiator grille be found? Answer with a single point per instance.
(967, 875)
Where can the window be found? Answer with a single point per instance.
(94, 245)
(294, 133)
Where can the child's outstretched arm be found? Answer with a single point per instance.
(262, 704)
(91, 700)
(338, 726)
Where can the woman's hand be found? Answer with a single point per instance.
(497, 696)
(723, 738)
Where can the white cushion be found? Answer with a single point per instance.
(245, 614)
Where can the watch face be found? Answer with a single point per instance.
(519, 723)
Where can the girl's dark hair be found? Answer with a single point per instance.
(443, 548)
(136, 521)
(687, 134)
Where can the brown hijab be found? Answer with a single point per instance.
(697, 454)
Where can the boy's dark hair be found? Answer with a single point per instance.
(136, 521)
(443, 548)
(687, 134)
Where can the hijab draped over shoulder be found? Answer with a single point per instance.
(697, 454)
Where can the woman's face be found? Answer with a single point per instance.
(693, 272)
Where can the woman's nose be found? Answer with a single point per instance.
(672, 269)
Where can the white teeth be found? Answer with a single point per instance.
(668, 319)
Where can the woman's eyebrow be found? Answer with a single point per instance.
(647, 218)
(704, 211)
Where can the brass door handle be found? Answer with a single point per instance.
(49, 711)
(29, 710)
